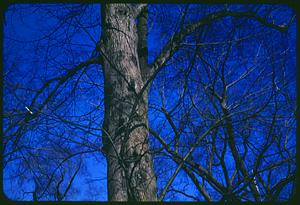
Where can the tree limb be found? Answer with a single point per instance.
(173, 44)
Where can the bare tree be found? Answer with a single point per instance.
(221, 105)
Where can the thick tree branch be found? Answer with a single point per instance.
(276, 189)
(238, 161)
(173, 44)
(199, 187)
(71, 181)
(179, 159)
(140, 8)
(37, 109)
(142, 30)
(62, 79)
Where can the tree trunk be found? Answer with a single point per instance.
(125, 129)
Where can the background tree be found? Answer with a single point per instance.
(208, 91)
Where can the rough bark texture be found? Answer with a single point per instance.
(125, 129)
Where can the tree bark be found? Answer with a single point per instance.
(130, 171)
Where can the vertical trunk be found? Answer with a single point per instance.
(125, 129)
